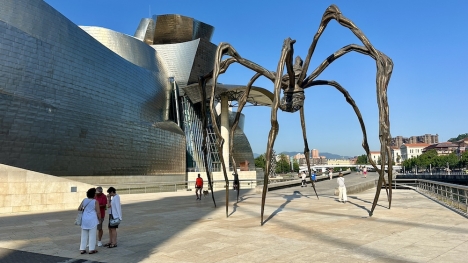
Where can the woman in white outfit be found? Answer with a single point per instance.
(89, 222)
(115, 211)
(330, 174)
(342, 189)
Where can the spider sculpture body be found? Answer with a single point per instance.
(293, 84)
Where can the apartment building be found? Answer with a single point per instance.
(410, 150)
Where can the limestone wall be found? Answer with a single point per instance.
(23, 191)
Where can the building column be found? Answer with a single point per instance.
(225, 129)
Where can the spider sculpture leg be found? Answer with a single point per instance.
(201, 85)
(286, 54)
(306, 147)
(310, 79)
(384, 70)
(242, 102)
(219, 67)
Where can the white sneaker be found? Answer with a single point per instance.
(99, 244)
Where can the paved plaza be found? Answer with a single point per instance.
(174, 227)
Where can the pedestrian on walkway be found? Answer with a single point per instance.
(303, 177)
(198, 187)
(115, 211)
(102, 201)
(89, 221)
(330, 173)
(364, 171)
(342, 197)
(313, 178)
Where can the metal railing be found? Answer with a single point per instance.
(453, 195)
(141, 188)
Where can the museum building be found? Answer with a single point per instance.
(84, 103)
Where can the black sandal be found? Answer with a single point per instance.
(93, 252)
(82, 251)
(107, 244)
(112, 245)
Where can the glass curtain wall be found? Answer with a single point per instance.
(193, 128)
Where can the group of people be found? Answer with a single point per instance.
(342, 197)
(303, 176)
(363, 170)
(199, 185)
(94, 208)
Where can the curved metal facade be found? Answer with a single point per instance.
(91, 101)
(70, 105)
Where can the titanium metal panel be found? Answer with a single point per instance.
(71, 106)
(145, 31)
(172, 29)
(178, 59)
(242, 150)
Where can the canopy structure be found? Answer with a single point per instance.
(257, 96)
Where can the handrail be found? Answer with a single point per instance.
(452, 195)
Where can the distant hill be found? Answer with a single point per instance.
(328, 155)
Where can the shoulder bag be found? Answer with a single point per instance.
(113, 221)
(80, 214)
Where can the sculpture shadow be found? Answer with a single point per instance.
(289, 199)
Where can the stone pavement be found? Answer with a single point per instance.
(174, 227)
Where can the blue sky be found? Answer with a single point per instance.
(427, 40)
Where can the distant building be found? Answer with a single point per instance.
(398, 141)
(410, 150)
(375, 156)
(443, 148)
(339, 162)
(315, 153)
(299, 156)
(396, 155)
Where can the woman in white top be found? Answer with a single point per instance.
(115, 211)
(89, 222)
(341, 188)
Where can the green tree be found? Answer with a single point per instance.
(362, 159)
(459, 137)
(452, 160)
(260, 162)
(464, 159)
(379, 161)
(282, 165)
(295, 166)
(398, 158)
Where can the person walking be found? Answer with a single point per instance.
(115, 211)
(313, 177)
(198, 187)
(89, 221)
(330, 173)
(342, 197)
(102, 201)
(303, 177)
(364, 171)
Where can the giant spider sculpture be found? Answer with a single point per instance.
(293, 85)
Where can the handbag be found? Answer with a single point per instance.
(79, 216)
(113, 221)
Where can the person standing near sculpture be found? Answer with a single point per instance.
(102, 201)
(89, 221)
(198, 187)
(115, 211)
(313, 177)
(364, 171)
(342, 197)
